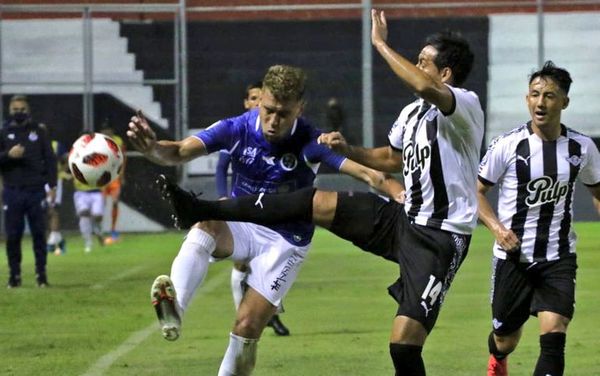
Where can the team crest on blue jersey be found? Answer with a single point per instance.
(575, 160)
(288, 162)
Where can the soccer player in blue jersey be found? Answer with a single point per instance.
(239, 272)
(534, 267)
(435, 142)
(272, 150)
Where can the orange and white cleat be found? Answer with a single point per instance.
(164, 299)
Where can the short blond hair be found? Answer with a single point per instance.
(285, 82)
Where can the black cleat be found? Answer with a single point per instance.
(42, 280)
(14, 282)
(278, 327)
(184, 203)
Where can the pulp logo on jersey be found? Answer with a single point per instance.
(248, 155)
(415, 157)
(281, 278)
(545, 189)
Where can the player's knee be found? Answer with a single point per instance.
(213, 228)
(249, 326)
(324, 205)
(503, 345)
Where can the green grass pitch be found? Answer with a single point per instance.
(96, 318)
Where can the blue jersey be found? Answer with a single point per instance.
(259, 166)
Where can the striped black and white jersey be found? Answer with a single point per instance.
(536, 181)
(441, 155)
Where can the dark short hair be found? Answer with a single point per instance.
(254, 85)
(285, 82)
(559, 75)
(453, 51)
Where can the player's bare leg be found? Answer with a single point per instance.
(252, 317)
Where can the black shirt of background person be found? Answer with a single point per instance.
(37, 166)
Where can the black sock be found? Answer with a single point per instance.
(263, 209)
(407, 359)
(493, 349)
(552, 355)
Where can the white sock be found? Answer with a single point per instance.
(191, 264)
(237, 277)
(54, 238)
(85, 227)
(240, 356)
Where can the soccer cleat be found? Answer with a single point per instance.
(163, 298)
(99, 237)
(497, 367)
(182, 201)
(63, 246)
(278, 327)
(14, 282)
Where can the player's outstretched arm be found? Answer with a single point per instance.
(382, 182)
(166, 153)
(418, 81)
(383, 158)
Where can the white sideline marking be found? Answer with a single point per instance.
(117, 277)
(107, 360)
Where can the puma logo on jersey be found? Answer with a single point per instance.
(258, 200)
(525, 160)
(575, 160)
(427, 309)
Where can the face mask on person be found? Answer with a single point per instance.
(20, 117)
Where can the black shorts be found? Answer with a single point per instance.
(523, 289)
(428, 257)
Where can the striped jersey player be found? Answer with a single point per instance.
(534, 266)
(440, 154)
(537, 188)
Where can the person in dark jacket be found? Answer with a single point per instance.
(27, 164)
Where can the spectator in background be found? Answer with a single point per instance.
(113, 189)
(239, 272)
(27, 163)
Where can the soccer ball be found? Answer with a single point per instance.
(95, 160)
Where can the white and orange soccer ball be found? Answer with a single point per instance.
(95, 160)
